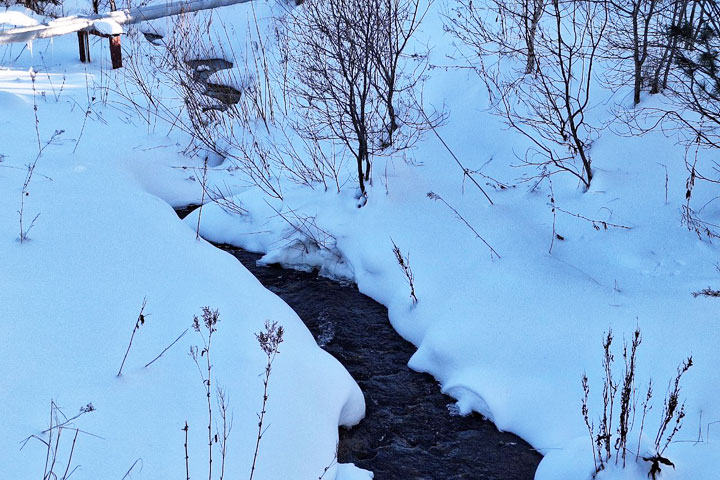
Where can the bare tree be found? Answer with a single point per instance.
(334, 76)
(630, 34)
(671, 14)
(548, 107)
(697, 83)
(352, 83)
(396, 81)
(499, 27)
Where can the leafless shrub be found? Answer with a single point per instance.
(504, 28)
(42, 7)
(305, 233)
(203, 101)
(548, 103)
(350, 81)
(635, 35)
(224, 198)
(610, 438)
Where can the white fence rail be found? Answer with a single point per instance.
(80, 23)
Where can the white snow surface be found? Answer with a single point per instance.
(108, 27)
(508, 337)
(71, 294)
(16, 16)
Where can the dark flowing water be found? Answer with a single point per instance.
(410, 431)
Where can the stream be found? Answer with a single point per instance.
(411, 431)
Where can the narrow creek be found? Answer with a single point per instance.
(410, 431)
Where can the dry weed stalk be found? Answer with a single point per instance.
(610, 440)
(404, 263)
(269, 340)
(166, 348)
(203, 184)
(331, 464)
(53, 463)
(223, 402)
(209, 322)
(187, 456)
(24, 192)
(706, 292)
(138, 323)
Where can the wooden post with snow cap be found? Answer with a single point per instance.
(115, 46)
(115, 52)
(111, 30)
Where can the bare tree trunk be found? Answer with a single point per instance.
(668, 56)
(537, 11)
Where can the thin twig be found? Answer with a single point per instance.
(187, 457)
(131, 468)
(166, 348)
(466, 172)
(202, 199)
(72, 450)
(594, 222)
(140, 320)
(435, 196)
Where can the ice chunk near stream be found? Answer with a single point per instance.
(307, 255)
(468, 402)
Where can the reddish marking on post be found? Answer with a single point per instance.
(115, 52)
(84, 46)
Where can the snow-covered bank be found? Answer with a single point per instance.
(509, 337)
(71, 293)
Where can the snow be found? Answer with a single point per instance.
(108, 27)
(508, 337)
(17, 16)
(72, 292)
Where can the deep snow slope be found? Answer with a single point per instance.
(70, 295)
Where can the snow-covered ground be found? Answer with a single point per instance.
(509, 337)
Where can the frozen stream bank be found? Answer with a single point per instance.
(410, 431)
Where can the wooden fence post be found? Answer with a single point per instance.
(115, 51)
(84, 46)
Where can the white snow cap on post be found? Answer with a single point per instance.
(108, 27)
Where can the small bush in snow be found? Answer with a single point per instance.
(611, 436)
